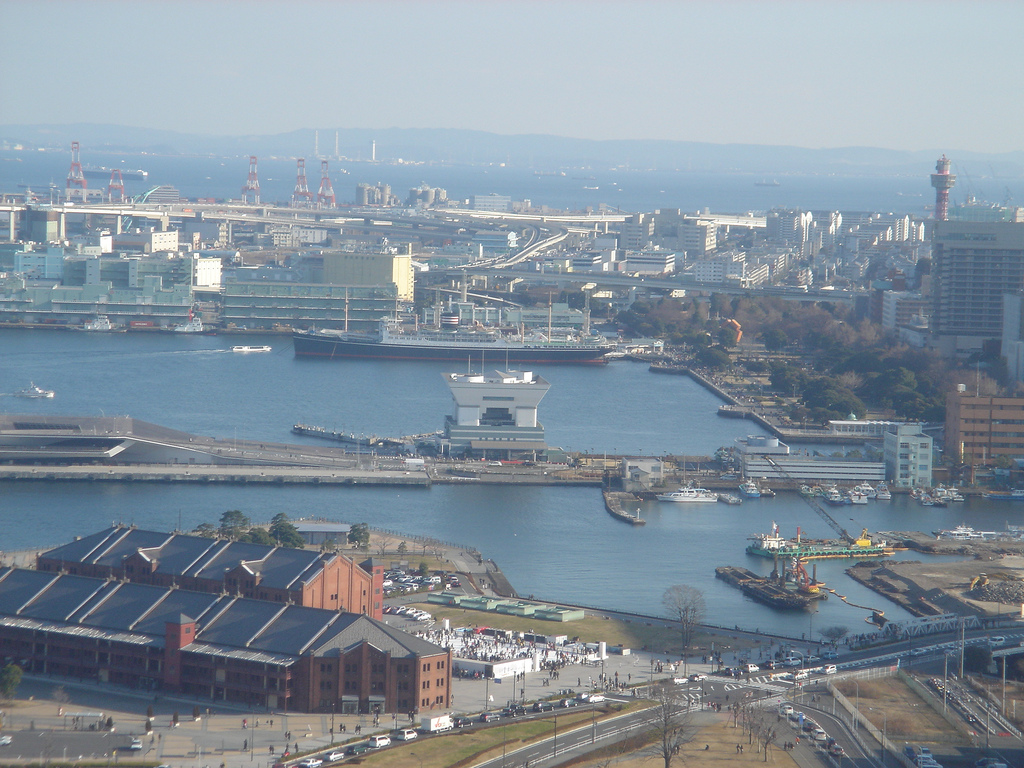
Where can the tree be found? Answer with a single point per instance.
(673, 726)
(424, 569)
(834, 634)
(403, 548)
(359, 535)
(774, 339)
(61, 695)
(205, 530)
(686, 605)
(233, 524)
(284, 532)
(383, 542)
(257, 535)
(10, 679)
(977, 658)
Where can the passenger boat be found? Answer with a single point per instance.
(690, 495)
(33, 390)
(857, 497)
(960, 533)
(1017, 494)
(246, 349)
(882, 492)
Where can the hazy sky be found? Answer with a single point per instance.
(901, 75)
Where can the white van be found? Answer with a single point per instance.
(378, 741)
(831, 669)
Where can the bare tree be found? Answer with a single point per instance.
(686, 605)
(673, 725)
(383, 542)
(834, 634)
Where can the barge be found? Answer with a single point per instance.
(772, 545)
(764, 590)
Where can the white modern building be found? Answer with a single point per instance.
(495, 416)
(771, 459)
(908, 456)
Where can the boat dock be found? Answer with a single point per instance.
(213, 473)
(616, 502)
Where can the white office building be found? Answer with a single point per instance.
(908, 456)
(495, 416)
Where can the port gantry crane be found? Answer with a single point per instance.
(877, 616)
(814, 504)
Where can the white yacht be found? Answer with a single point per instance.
(690, 495)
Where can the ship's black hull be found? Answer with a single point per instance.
(307, 345)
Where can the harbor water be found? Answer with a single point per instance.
(555, 543)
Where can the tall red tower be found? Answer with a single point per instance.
(943, 181)
(76, 178)
(115, 189)
(325, 196)
(252, 184)
(301, 195)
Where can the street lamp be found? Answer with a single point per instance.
(856, 720)
(413, 754)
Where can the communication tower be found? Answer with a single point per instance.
(115, 189)
(252, 184)
(301, 195)
(325, 197)
(943, 181)
(76, 177)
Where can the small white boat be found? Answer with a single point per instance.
(858, 497)
(729, 498)
(246, 349)
(882, 492)
(34, 391)
(690, 495)
(194, 325)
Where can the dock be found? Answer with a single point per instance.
(214, 473)
(615, 502)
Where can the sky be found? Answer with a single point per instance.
(824, 73)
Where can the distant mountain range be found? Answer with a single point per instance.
(535, 151)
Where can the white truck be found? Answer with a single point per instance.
(436, 724)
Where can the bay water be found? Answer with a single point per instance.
(555, 543)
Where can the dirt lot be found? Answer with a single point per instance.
(889, 702)
(929, 588)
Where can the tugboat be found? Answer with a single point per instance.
(750, 489)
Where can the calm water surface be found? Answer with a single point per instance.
(555, 543)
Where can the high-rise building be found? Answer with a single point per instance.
(973, 265)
